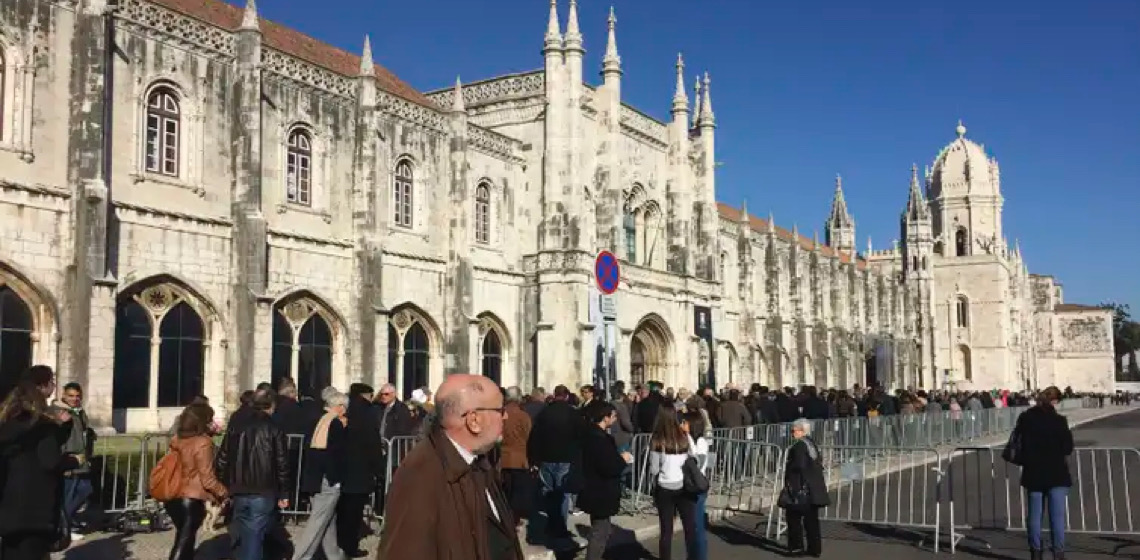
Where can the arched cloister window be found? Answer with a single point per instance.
(961, 242)
(15, 337)
(160, 349)
(483, 213)
(303, 346)
(964, 362)
(163, 131)
(492, 359)
(962, 312)
(411, 340)
(402, 194)
(299, 167)
(629, 224)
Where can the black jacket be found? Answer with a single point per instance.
(816, 408)
(31, 474)
(645, 413)
(555, 436)
(399, 422)
(254, 458)
(766, 411)
(787, 407)
(365, 464)
(802, 470)
(1046, 443)
(327, 463)
(602, 467)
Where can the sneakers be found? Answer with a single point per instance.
(76, 537)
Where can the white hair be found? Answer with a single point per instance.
(388, 386)
(328, 392)
(803, 424)
(335, 398)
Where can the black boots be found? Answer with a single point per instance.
(1058, 555)
(1035, 554)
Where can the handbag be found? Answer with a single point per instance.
(794, 498)
(1013, 452)
(695, 482)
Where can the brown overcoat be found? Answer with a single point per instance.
(437, 507)
(516, 432)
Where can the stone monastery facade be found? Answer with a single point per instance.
(194, 200)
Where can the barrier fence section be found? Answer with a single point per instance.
(897, 487)
(984, 493)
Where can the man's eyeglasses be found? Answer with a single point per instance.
(388, 394)
(500, 410)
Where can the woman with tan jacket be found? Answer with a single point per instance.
(195, 452)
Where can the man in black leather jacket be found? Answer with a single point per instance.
(253, 463)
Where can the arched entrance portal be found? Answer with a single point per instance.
(649, 351)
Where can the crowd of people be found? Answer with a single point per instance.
(485, 462)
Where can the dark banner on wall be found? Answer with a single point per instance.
(706, 354)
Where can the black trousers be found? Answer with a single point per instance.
(804, 523)
(26, 546)
(187, 515)
(349, 513)
(672, 503)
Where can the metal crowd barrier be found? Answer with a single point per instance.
(985, 493)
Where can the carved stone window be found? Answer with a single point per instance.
(402, 194)
(962, 307)
(16, 331)
(299, 168)
(629, 224)
(961, 242)
(303, 346)
(483, 213)
(163, 132)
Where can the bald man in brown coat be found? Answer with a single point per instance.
(444, 502)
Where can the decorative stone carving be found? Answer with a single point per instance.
(644, 125)
(510, 87)
(158, 299)
(493, 143)
(402, 320)
(287, 66)
(298, 311)
(1084, 334)
(151, 16)
(411, 112)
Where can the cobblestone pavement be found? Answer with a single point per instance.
(734, 538)
(739, 538)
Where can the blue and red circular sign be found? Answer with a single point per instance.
(607, 272)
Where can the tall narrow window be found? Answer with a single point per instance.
(630, 225)
(163, 130)
(961, 242)
(15, 338)
(492, 366)
(299, 168)
(963, 312)
(402, 194)
(483, 213)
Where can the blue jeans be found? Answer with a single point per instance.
(76, 490)
(1058, 498)
(701, 540)
(555, 498)
(252, 517)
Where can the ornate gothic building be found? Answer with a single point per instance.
(193, 200)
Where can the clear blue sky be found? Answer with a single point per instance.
(807, 89)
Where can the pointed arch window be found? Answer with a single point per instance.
(492, 361)
(416, 359)
(15, 338)
(962, 308)
(302, 347)
(163, 131)
(483, 213)
(410, 348)
(299, 167)
(402, 194)
(160, 350)
(629, 224)
(961, 242)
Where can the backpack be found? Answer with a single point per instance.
(166, 478)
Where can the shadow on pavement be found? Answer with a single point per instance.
(115, 546)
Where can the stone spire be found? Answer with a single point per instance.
(840, 217)
(870, 247)
(680, 99)
(573, 39)
(367, 68)
(707, 119)
(960, 129)
(815, 240)
(771, 223)
(916, 208)
(249, 19)
(744, 213)
(611, 62)
(553, 29)
(457, 105)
